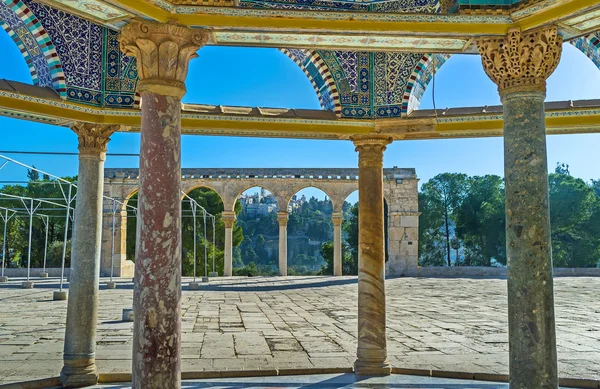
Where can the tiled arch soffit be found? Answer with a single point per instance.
(36, 46)
(78, 58)
(81, 60)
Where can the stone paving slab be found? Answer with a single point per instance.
(253, 323)
(329, 381)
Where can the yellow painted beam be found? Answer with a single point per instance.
(552, 15)
(291, 22)
(579, 120)
(313, 20)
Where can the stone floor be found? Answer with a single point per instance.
(306, 322)
(330, 381)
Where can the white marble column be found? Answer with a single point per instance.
(337, 218)
(228, 218)
(282, 217)
(79, 368)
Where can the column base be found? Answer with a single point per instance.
(127, 314)
(27, 285)
(43, 275)
(371, 368)
(4, 279)
(195, 286)
(78, 373)
(111, 285)
(59, 295)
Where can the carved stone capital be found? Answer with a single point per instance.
(93, 138)
(521, 61)
(163, 52)
(228, 218)
(370, 149)
(282, 217)
(337, 218)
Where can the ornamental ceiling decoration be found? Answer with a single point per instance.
(80, 59)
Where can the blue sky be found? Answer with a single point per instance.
(267, 78)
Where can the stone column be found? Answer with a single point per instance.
(519, 64)
(228, 218)
(163, 52)
(372, 349)
(337, 218)
(283, 221)
(79, 368)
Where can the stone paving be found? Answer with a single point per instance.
(305, 322)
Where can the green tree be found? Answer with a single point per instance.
(442, 195)
(575, 220)
(480, 221)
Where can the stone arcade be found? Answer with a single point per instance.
(400, 193)
(369, 62)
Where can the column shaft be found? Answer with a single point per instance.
(337, 219)
(163, 52)
(157, 292)
(283, 219)
(519, 64)
(228, 218)
(79, 367)
(532, 337)
(372, 345)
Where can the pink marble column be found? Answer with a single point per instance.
(371, 356)
(163, 52)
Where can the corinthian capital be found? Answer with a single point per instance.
(371, 148)
(228, 218)
(337, 218)
(282, 217)
(163, 52)
(93, 138)
(521, 61)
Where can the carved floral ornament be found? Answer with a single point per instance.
(521, 61)
(282, 217)
(228, 218)
(93, 138)
(163, 52)
(371, 148)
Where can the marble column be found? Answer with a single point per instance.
(372, 349)
(282, 217)
(337, 218)
(519, 64)
(228, 218)
(163, 52)
(79, 365)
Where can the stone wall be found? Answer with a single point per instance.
(34, 272)
(477, 271)
(400, 191)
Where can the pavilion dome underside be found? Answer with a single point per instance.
(81, 60)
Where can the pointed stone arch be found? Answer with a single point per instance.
(35, 45)
(419, 79)
(319, 75)
(590, 46)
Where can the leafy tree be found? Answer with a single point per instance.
(442, 195)
(575, 220)
(480, 221)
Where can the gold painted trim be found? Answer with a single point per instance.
(568, 121)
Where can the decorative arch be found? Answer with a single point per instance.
(590, 46)
(419, 79)
(240, 191)
(34, 43)
(319, 75)
(312, 185)
(206, 186)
